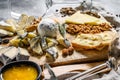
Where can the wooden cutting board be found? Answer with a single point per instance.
(77, 57)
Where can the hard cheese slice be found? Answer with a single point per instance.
(7, 27)
(5, 33)
(79, 18)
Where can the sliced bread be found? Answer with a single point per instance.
(93, 41)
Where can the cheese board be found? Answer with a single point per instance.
(29, 32)
(76, 57)
(65, 35)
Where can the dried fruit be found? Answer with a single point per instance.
(65, 52)
(70, 50)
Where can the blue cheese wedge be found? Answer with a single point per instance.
(23, 54)
(35, 46)
(51, 54)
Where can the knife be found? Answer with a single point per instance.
(53, 76)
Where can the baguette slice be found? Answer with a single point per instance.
(93, 41)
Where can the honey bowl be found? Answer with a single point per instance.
(21, 70)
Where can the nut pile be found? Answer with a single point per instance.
(67, 11)
(95, 14)
(33, 25)
(87, 28)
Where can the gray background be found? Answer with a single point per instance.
(37, 7)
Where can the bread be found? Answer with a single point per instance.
(93, 41)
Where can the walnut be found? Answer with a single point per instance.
(87, 28)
